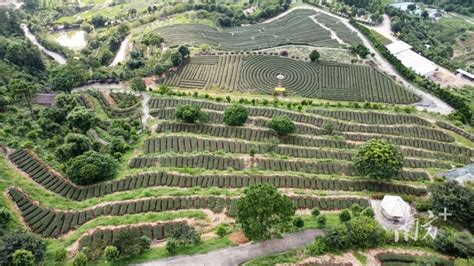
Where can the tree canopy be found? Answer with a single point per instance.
(314, 56)
(191, 114)
(82, 118)
(264, 212)
(379, 159)
(91, 167)
(236, 115)
(282, 125)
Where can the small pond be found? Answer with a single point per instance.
(72, 39)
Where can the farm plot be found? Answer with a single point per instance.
(342, 31)
(257, 73)
(295, 28)
(306, 123)
(35, 169)
(54, 223)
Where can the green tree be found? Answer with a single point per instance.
(182, 237)
(130, 243)
(190, 114)
(80, 259)
(25, 91)
(83, 119)
(282, 124)
(65, 77)
(321, 220)
(263, 212)
(365, 232)
(111, 253)
(98, 21)
(298, 222)
(138, 84)
(23, 257)
(184, 51)
(236, 115)
(457, 200)
(152, 39)
(13, 241)
(344, 216)
(5, 217)
(176, 58)
(315, 212)
(314, 56)
(459, 244)
(91, 167)
(74, 145)
(379, 159)
(368, 212)
(337, 238)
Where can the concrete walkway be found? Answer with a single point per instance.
(243, 253)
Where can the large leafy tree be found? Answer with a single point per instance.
(282, 125)
(14, 241)
(457, 200)
(138, 84)
(82, 118)
(379, 159)
(190, 114)
(263, 212)
(24, 91)
(74, 145)
(236, 115)
(66, 77)
(91, 167)
(459, 244)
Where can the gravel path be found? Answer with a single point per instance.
(122, 52)
(240, 254)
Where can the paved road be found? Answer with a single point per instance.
(240, 254)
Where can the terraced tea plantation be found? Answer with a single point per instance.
(257, 73)
(314, 167)
(295, 28)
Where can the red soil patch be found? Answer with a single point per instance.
(238, 238)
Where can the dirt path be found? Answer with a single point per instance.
(333, 33)
(57, 57)
(240, 254)
(122, 52)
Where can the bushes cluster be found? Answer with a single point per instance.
(379, 159)
(191, 114)
(236, 115)
(182, 237)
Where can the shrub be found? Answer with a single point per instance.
(5, 217)
(91, 167)
(282, 125)
(182, 237)
(344, 216)
(298, 222)
(318, 247)
(23, 257)
(379, 159)
(252, 152)
(60, 255)
(80, 259)
(184, 51)
(13, 241)
(83, 119)
(315, 212)
(130, 243)
(138, 84)
(337, 238)
(222, 230)
(328, 129)
(111, 253)
(172, 246)
(263, 212)
(176, 58)
(236, 115)
(74, 145)
(456, 199)
(321, 220)
(365, 232)
(356, 209)
(314, 56)
(368, 212)
(191, 114)
(459, 244)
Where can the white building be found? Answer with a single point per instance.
(421, 65)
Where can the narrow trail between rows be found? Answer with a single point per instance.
(243, 253)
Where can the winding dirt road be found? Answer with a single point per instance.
(243, 253)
